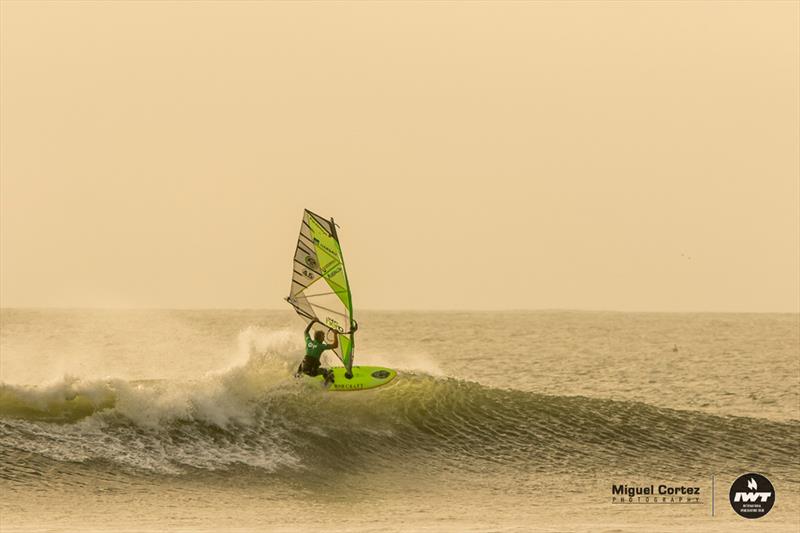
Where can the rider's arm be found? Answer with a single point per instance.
(335, 341)
(308, 327)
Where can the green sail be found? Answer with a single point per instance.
(320, 290)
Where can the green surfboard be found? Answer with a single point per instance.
(364, 377)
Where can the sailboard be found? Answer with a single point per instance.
(320, 291)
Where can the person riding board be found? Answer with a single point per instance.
(314, 348)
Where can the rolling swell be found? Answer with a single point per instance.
(249, 419)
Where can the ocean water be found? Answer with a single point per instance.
(153, 420)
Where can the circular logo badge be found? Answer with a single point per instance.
(752, 495)
(380, 374)
(311, 262)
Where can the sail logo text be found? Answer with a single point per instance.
(333, 324)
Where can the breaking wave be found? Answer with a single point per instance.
(257, 416)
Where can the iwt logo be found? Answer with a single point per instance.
(752, 495)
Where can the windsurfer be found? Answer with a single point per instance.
(314, 348)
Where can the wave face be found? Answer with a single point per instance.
(258, 417)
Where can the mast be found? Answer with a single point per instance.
(351, 325)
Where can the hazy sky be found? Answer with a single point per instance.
(630, 156)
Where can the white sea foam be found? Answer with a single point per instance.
(143, 412)
(265, 362)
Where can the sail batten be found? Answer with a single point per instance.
(319, 289)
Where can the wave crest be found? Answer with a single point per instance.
(256, 415)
